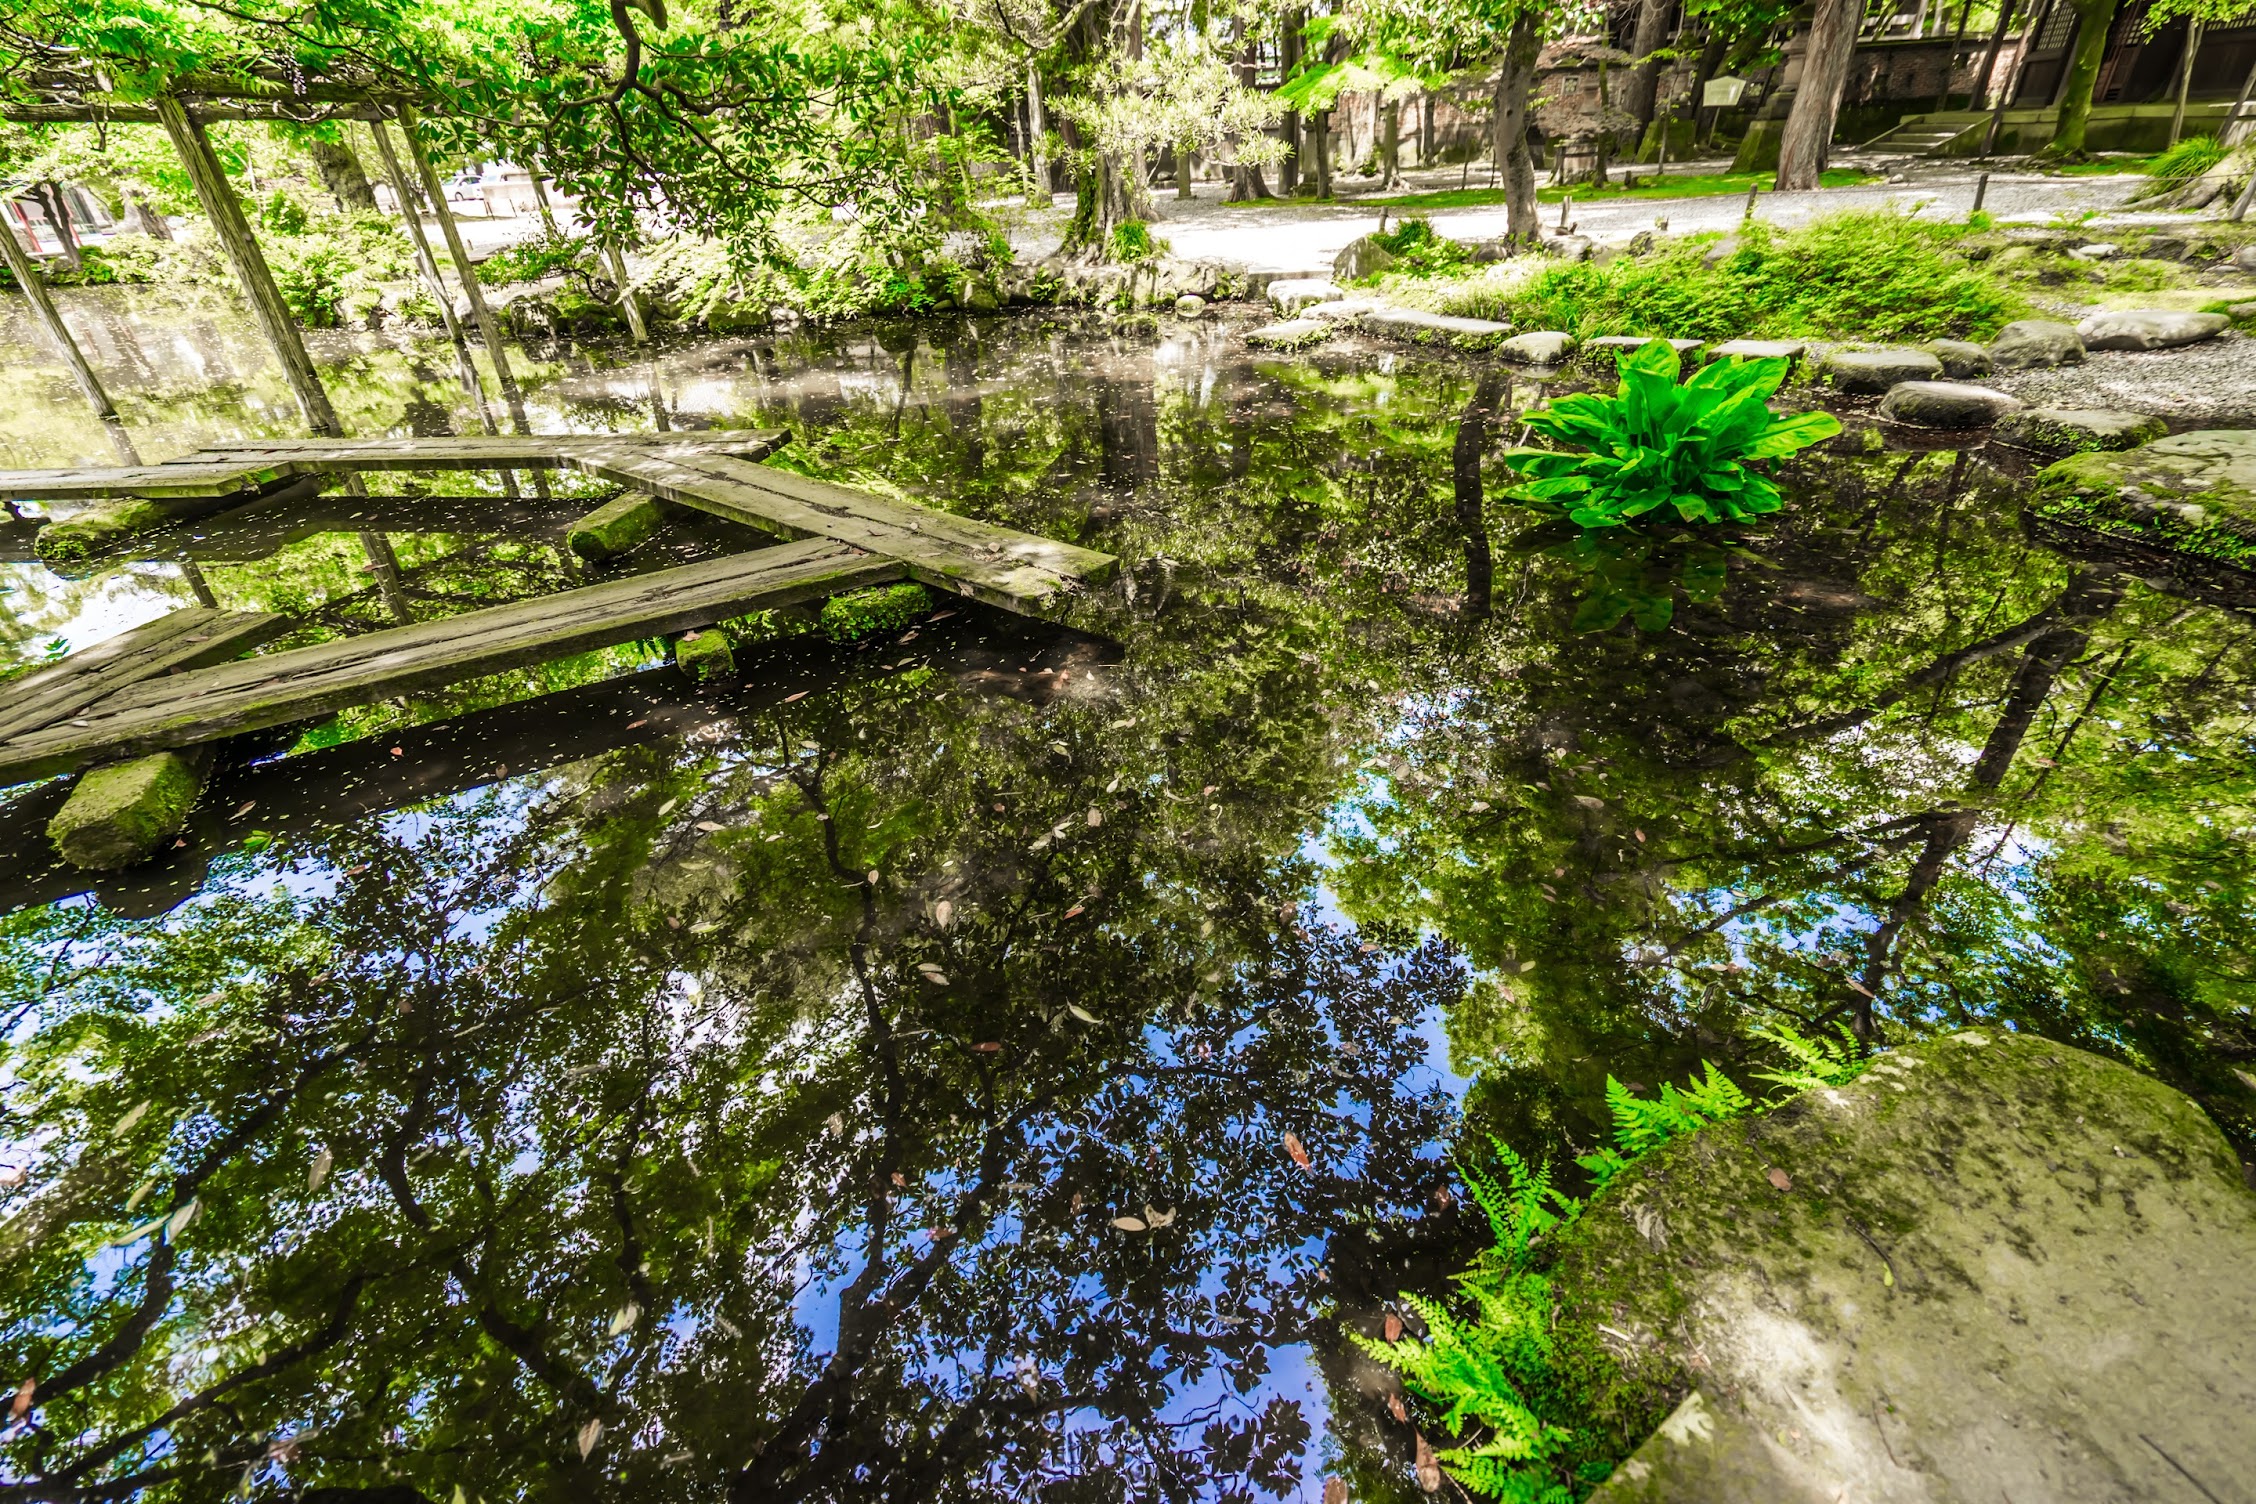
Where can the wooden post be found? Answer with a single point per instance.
(2013, 80)
(225, 212)
(627, 303)
(26, 273)
(488, 330)
(2185, 80)
(1981, 191)
(430, 268)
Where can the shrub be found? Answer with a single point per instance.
(1657, 444)
(1418, 251)
(1132, 240)
(314, 276)
(1863, 274)
(284, 213)
(2187, 160)
(530, 260)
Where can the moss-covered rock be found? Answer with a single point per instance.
(615, 527)
(881, 608)
(2193, 493)
(1993, 1267)
(120, 814)
(98, 529)
(2078, 430)
(705, 655)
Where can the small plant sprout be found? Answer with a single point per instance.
(1657, 444)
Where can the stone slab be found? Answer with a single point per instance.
(1291, 334)
(2149, 329)
(1872, 372)
(2074, 430)
(1945, 404)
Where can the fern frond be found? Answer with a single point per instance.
(1816, 1062)
(1523, 1207)
(1642, 1125)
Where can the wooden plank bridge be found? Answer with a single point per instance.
(181, 682)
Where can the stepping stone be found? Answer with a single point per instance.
(1962, 359)
(1760, 349)
(1295, 293)
(1539, 347)
(1340, 308)
(2244, 259)
(1606, 349)
(1569, 247)
(1292, 334)
(2078, 430)
(1875, 371)
(2193, 493)
(1190, 306)
(2149, 329)
(2098, 250)
(1945, 404)
(1426, 328)
(2026, 343)
(1361, 257)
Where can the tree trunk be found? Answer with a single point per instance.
(342, 175)
(2094, 19)
(49, 195)
(1981, 79)
(1390, 146)
(1426, 129)
(2012, 88)
(225, 211)
(1289, 53)
(1808, 136)
(1644, 83)
(1037, 155)
(1515, 81)
(1321, 121)
(141, 216)
(2185, 80)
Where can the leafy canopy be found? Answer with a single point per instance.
(1656, 443)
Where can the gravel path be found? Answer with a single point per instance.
(2209, 385)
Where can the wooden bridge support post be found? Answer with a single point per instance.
(21, 267)
(429, 266)
(225, 212)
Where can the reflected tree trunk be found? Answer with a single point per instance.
(1465, 471)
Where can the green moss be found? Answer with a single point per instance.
(615, 527)
(881, 608)
(98, 529)
(705, 655)
(121, 814)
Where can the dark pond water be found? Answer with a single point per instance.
(889, 1077)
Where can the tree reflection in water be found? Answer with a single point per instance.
(901, 1091)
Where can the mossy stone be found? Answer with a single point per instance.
(1992, 1267)
(98, 529)
(2193, 493)
(615, 527)
(2066, 430)
(881, 608)
(120, 814)
(705, 655)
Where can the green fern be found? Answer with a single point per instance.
(1816, 1062)
(1522, 1208)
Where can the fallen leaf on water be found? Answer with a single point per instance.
(1397, 1409)
(624, 1321)
(1069, 913)
(987, 1048)
(710, 826)
(873, 877)
(1129, 1224)
(399, 752)
(787, 699)
(1159, 1219)
(637, 725)
(1429, 1468)
(134, 1115)
(1640, 836)
(1393, 1327)
(1336, 1491)
(178, 1222)
(1096, 817)
(1856, 986)
(1209, 790)
(320, 1170)
(1590, 801)
(1081, 1013)
(1479, 806)
(243, 809)
(16, 1175)
(933, 974)
(22, 1403)
(1297, 1150)
(942, 912)
(590, 1434)
(1781, 1179)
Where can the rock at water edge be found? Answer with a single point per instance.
(1962, 359)
(1993, 1267)
(1293, 334)
(1760, 349)
(2078, 430)
(1294, 293)
(1945, 404)
(2149, 329)
(122, 812)
(615, 527)
(1538, 347)
(1190, 306)
(2192, 492)
(2026, 343)
(98, 529)
(1361, 257)
(704, 655)
(1874, 371)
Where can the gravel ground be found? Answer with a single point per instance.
(2209, 385)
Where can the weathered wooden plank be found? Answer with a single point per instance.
(185, 639)
(998, 565)
(320, 680)
(154, 482)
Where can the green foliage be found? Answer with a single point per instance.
(530, 260)
(2187, 160)
(284, 213)
(1132, 240)
(1863, 274)
(1657, 443)
(881, 608)
(1418, 251)
(1499, 1368)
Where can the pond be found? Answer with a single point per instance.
(1003, 1059)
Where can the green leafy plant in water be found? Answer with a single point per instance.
(1496, 1366)
(1656, 443)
